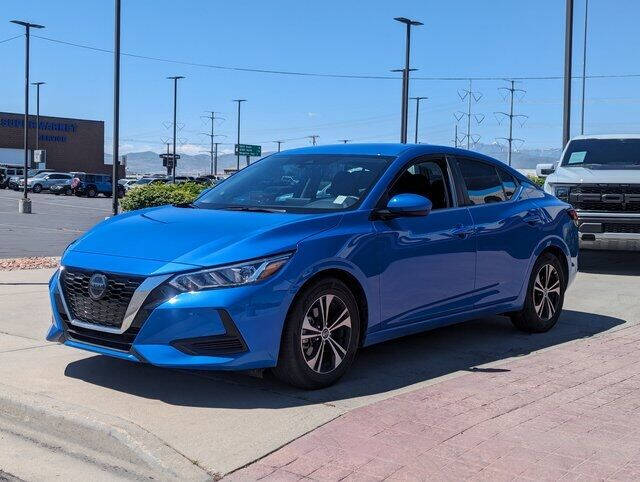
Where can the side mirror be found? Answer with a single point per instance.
(545, 169)
(402, 205)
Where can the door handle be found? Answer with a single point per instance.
(463, 231)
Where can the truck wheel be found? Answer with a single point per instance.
(544, 298)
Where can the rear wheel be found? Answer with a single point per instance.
(36, 188)
(545, 296)
(320, 337)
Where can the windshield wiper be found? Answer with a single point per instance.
(184, 205)
(255, 209)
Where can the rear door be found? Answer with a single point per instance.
(507, 229)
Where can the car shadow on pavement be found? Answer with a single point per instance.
(377, 370)
(626, 263)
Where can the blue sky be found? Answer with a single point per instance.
(495, 38)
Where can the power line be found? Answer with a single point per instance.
(13, 38)
(512, 90)
(472, 97)
(328, 75)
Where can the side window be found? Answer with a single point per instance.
(509, 183)
(427, 179)
(529, 191)
(482, 182)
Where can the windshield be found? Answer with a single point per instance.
(298, 183)
(603, 152)
(41, 175)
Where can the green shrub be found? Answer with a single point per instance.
(537, 180)
(160, 194)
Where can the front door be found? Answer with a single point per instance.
(428, 262)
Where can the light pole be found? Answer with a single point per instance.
(239, 101)
(405, 77)
(116, 109)
(38, 84)
(568, 44)
(584, 63)
(175, 79)
(279, 144)
(417, 99)
(24, 204)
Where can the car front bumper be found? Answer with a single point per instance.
(224, 329)
(609, 231)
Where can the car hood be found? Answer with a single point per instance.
(604, 176)
(200, 237)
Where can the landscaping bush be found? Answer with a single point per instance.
(537, 180)
(160, 194)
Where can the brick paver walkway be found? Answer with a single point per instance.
(570, 412)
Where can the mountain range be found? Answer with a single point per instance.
(149, 162)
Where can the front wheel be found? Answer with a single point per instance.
(545, 296)
(36, 188)
(92, 192)
(320, 336)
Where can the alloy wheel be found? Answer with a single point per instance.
(326, 333)
(546, 292)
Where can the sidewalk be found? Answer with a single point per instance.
(570, 413)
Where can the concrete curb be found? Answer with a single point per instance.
(97, 438)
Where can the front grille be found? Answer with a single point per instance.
(211, 345)
(621, 228)
(606, 197)
(116, 341)
(107, 311)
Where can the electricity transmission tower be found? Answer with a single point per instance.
(214, 151)
(313, 139)
(511, 90)
(471, 97)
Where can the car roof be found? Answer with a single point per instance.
(607, 136)
(397, 149)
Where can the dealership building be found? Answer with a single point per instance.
(68, 144)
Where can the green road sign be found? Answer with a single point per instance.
(248, 150)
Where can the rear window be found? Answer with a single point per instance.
(482, 182)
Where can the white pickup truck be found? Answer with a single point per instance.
(600, 176)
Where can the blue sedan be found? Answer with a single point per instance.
(300, 259)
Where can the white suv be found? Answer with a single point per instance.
(600, 176)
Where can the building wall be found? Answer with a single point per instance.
(71, 144)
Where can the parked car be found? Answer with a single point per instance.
(600, 176)
(209, 180)
(127, 183)
(13, 181)
(63, 187)
(44, 180)
(7, 173)
(261, 273)
(90, 185)
(149, 180)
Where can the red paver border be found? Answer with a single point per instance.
(566, 413)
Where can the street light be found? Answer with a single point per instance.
(417, 99)
(24, 204)
(279, 144)
(239, 101)
(38, 84)
(568, 58)
(405, 77)
(175, 79)
(116, 109)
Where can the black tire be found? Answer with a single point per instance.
(121, 192)
(67, 191)
(538, 315)
(91, 191)
(36, 188)
(297, 356)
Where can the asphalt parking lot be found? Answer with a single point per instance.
(55, 222)
(217, 422)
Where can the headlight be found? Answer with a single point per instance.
(230, 275)
(562, 193)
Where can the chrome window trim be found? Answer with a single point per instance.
(137, 300)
